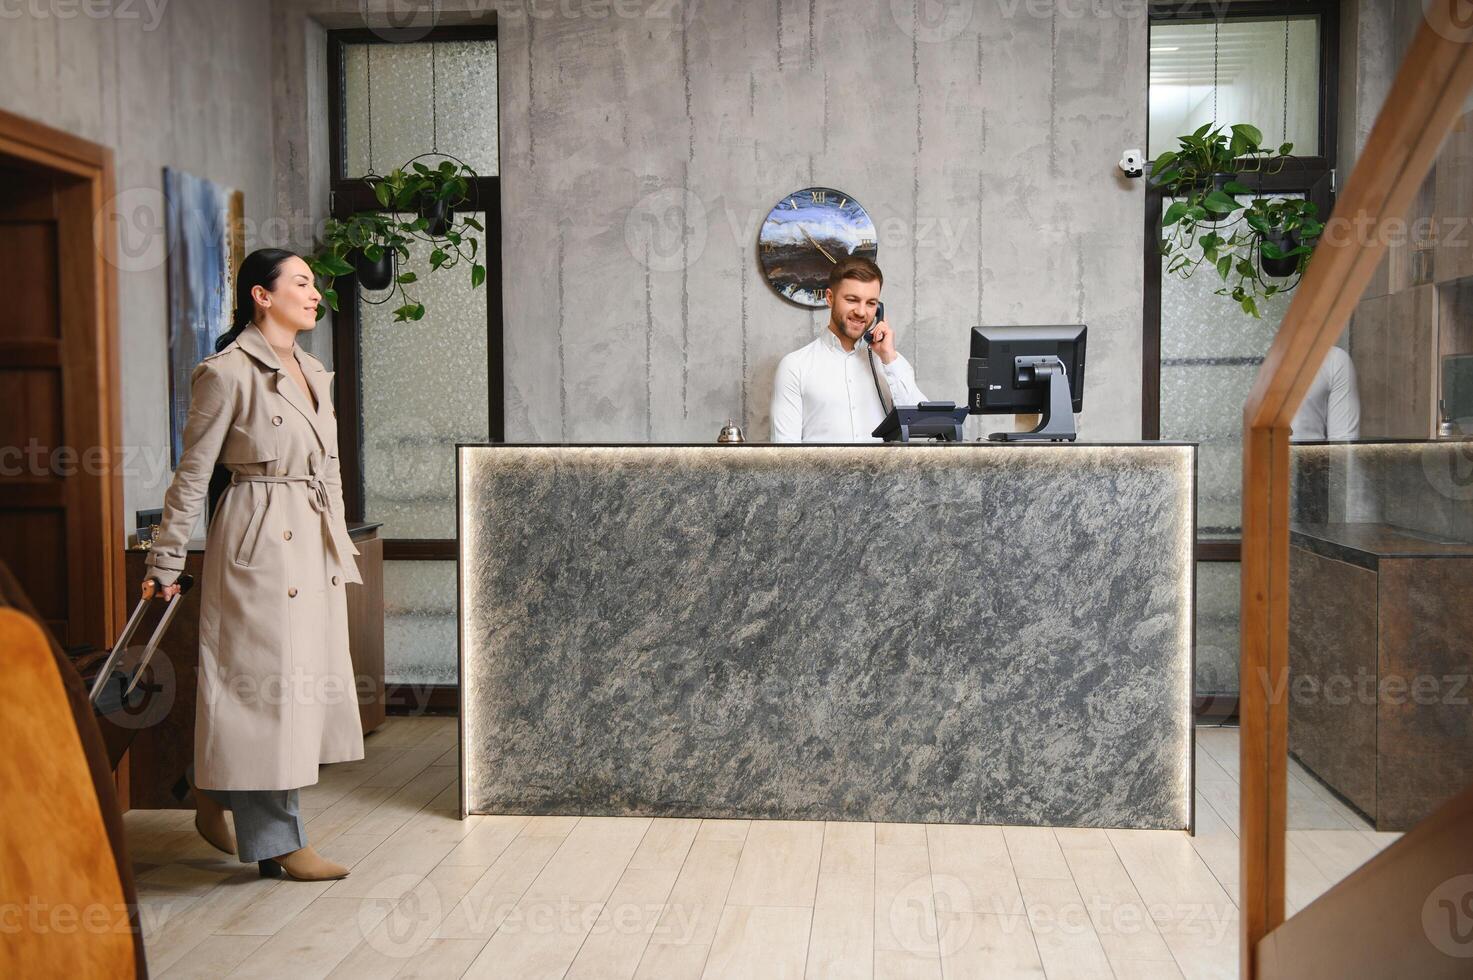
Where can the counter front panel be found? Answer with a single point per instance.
(961, 634)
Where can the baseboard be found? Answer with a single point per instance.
(422, 699)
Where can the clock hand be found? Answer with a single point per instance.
(816, 245)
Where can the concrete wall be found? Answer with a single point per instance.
(177, 84)
(638, 165)
(641, 152)
(983, 144)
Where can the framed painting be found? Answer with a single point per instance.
(205, 242)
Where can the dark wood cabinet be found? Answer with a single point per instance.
(1379, 627)
(164, 745)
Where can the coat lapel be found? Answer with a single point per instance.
(255, 344)
(324, 422)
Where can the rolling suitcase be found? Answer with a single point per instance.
(119, 695)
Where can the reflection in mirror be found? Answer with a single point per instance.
(1380, 568)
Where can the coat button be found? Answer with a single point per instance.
(292, 592)
(287, 535)
(276, 420)
(334, 580)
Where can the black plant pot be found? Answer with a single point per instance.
(1284, 267)
(373, 275)
(1219, 181)
(439, 214)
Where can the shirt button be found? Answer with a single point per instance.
(334, 580)
(276, 420)
(292, 592)
(287, 535)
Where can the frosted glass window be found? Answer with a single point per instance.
(1210, 354)
(420, 639)
(1250, 81)
(460, 120)
(425, 388)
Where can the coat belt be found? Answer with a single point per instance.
(342, 546)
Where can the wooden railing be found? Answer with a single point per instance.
(1426, 97)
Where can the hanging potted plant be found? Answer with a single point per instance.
(1208, 223)
(431, 193)
(369, 246)
(1206, 172)
(1287, 229)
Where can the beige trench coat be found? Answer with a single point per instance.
(276, 688)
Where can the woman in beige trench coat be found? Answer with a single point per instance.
(276, 690)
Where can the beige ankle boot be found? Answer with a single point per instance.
(303, 864)
(210, 822)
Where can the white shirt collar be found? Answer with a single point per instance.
(831, 341)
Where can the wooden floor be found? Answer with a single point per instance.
(524, 898)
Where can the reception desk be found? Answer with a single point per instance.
(964, 633)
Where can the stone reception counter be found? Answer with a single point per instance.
(966, 633)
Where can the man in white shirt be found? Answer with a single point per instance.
(831, 390)
(1331, 408)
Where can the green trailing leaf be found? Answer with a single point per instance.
(405, 278)
(1286, 149)
(330, 297)
(478, 275)
(1250, 307)
(373, 253)
(1233, 187)
(1224, 266)
(383, 193)
(1175, 213)
(474, 223)
(437, 258)
(1219, 203)
(1252, 134)
(1271, 250)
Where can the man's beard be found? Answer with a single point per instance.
(842, 326)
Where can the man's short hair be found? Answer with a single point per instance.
(854, 267)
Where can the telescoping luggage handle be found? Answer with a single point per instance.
(185, 583)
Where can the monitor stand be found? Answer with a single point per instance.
(1057, 424)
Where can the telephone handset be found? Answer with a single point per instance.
(869, 333)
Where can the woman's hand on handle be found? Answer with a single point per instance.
(151, 588)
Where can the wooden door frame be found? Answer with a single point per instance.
(93, 411)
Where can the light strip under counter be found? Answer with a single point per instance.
(970, 633)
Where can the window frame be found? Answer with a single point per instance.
(1311, 175)
(350, 195)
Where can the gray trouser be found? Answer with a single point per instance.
(268, 822)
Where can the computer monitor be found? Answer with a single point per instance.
(1016, 370)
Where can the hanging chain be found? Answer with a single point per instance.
(1286, 80)
(1215, 25)
(368, 52)
(435, 103)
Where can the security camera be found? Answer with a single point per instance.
(1133, 163)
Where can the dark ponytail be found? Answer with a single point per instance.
(260, 268)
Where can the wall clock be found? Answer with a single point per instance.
(805, 234)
